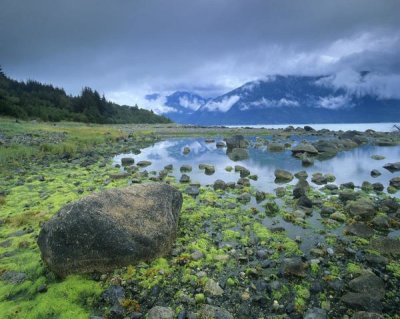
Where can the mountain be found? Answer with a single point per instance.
(34, 100)
(182, 105)
(290, 100)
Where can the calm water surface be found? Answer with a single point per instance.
(348, 166)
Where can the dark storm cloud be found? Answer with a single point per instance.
(129, 48)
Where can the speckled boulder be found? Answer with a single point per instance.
(111, 229)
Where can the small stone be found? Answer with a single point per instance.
(184, 178)
(316, 313)
(185, 168)
(213, 288)
(197, 255)
(158, 312)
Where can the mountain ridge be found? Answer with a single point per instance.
(287, 99)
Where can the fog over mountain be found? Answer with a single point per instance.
(131, 49)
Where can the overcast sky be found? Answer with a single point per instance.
(129, 48)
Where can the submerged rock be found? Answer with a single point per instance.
(238, 154)
(186, 150)
(111, 229)
(282, 176)
(375, 173)
(143, 163)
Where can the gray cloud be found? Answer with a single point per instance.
(127, 49)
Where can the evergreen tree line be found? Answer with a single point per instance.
(34, 100)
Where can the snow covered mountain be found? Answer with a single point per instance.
(285, 99)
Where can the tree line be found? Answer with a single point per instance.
(35, 100)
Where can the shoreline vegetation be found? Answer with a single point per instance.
(225, 263)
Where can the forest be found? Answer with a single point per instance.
(35, 100)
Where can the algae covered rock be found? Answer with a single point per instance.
(111, 229)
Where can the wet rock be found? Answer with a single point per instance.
(243, 182)
(319, 179)
(301, 175)
(389, 205)
(236, 141)
(185, 168)
(113, 295)
(366, 186)
(359, 229)
(212, 312)
(331, 187)
(119, 175)
(378, 157)
(244, 172)
(276, 147)
(219, 184)
(306, 160)
(366, 315)
(280, 191)
(304, 147)
(327, 211)
(308, 128)
(112, 228)
(293, 267)
(209, 140)
(376, 260)
(315, 313)
(375, 173)
(386, 246)
(192, 191)
(381, 222)
(184, 179)
(395, 182)
(143, 163)
(244, 198)
(127, 161)
(349, 185)
(362, 209)
(362, 301)
(209, 169)
(392, 167)
(169, 167)
(368, 283)
(282, 176)
(13, 277)
(186, 150)
(220, 144)
(260, 196)
(238, 154)
(304, 201)
(378, 187)
(326, 149)
(347, 195)
(197, 255)
(213, 288)
(159, 312)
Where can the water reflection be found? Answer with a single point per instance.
(348, 166)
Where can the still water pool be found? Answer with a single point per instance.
(348, 166)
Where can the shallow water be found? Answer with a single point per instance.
(348, 166)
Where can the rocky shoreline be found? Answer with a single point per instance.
(234, 255)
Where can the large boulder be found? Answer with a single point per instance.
(111, 229)
(236, 141)
(304, 147)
